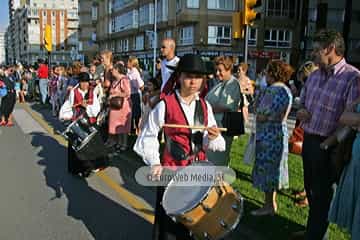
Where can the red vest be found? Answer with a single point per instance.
(78, 99)
(175, 115)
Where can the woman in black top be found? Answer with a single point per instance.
(8, 102)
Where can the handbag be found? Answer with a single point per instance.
(250, 154)
(116, 103)
(234, 122)
(296, 141)
(3, 91)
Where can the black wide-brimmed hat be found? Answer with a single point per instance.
(84, 77)
(190, 63)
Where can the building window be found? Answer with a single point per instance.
(121, 45)
(120, 4)
(94, 13)
(186, 35)
(125, 21)
(139, 43)
(167, 34)
(281, 8)
(118, 46)
(221, 4)
(109, 7)
(219, 35)
(162, 10)
(277, 38)
(178, 6)
(252, 37)
(192, 3)
(146, 14)
(125, 45)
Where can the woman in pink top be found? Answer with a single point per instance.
(120, 120)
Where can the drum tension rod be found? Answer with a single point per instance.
(235, 207)
(223, 224)
(219, 191)
(188, 219)
(206, 236)
(206, 207)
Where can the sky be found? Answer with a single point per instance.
(4, 15)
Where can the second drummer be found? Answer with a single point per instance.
(81, 102)
(183, 146)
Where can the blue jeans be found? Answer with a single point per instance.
(43, 85)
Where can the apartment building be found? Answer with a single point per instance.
(331, 14)
(2, 48)
(28, 26)
(13, 5)
(203, 27)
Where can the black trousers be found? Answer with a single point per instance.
(319, 176)
(164, 227)
(135, 110)
(8, 104)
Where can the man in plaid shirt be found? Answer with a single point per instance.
(327, 93)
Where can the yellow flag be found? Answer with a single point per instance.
(48, 38)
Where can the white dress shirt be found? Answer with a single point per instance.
(147, 144)
(66, 111)
(165, 71)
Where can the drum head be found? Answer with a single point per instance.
(180, 199)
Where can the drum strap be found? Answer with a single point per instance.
(197, 137)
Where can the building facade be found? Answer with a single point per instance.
(27, 29)
(2, 48)
(13, 5)
(331, 14)
(203, 27)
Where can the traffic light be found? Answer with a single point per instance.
(48, 38)
(251, 11)
(237, 25)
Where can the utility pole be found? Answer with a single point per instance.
(246, 43)
(155, 39)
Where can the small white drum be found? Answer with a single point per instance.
(209, 212)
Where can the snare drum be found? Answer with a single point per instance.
(85, 140)
(209, 212)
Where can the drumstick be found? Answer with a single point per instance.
(192, 127)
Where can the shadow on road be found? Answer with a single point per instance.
(104, 218)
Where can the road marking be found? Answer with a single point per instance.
(26, 122)
(141, 207)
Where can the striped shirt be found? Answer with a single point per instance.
(326, 95)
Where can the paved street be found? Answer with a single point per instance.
(40, 200)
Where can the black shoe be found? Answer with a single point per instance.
(110, 144)
(85, 174)
(124, 148)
